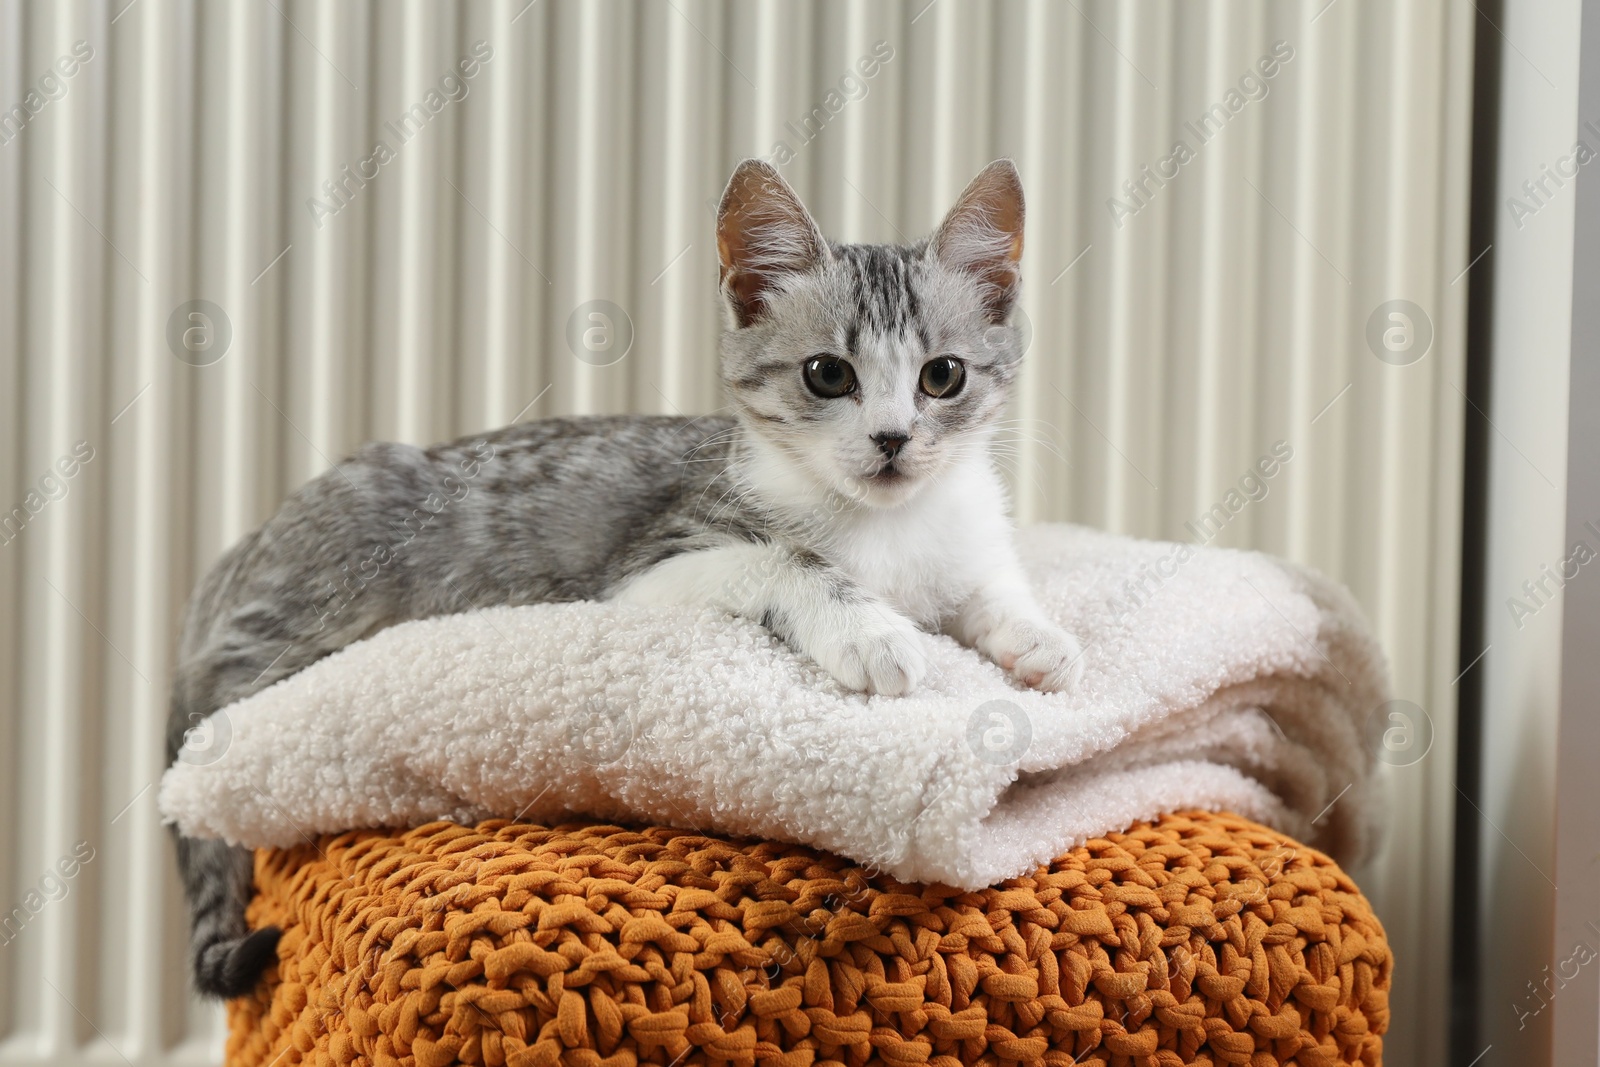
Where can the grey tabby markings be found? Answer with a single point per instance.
(561, 509)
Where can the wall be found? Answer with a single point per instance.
(1175, 338)
(1514, 813)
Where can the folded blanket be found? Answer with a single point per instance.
(1214, 679)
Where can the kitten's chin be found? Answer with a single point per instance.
(887, 489)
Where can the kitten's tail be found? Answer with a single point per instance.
(227, 957)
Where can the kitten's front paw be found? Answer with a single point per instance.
(884, 654)
(1038, 654)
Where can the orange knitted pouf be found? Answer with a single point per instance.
(1200, 939)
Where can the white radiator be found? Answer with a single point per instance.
(1185, 319)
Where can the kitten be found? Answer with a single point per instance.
(848, 502)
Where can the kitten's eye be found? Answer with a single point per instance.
(943, 377)
(830, 377)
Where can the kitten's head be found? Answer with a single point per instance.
(869, 369)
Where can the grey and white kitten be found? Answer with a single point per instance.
(849, 501)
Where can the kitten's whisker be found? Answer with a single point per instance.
(716, 505)
(1030, 433)
(735, 487)
(1002, 424)
(1048, 446)
(1025, 433)
(734, 507)
(1031, 476)
(713, 481)
(716, 438)
(1023, 422)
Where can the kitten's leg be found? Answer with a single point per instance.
(813, 606)
(1003, 621)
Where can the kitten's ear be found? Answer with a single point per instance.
(763, 233)
(982, 235)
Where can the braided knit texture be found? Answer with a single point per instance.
(1200, 939)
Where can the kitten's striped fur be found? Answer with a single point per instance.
(843, 525)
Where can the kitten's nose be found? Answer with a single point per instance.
(890, 444)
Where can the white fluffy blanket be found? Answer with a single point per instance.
(1214, 679)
